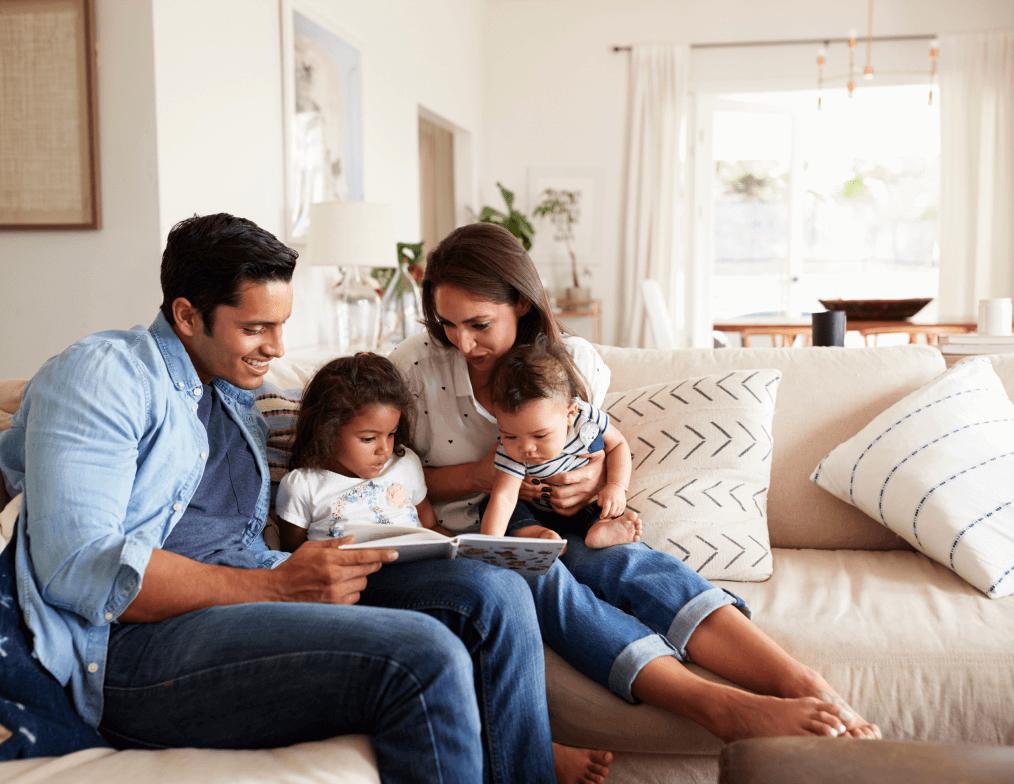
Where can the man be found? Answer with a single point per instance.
(151, 594)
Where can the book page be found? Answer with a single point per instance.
(526, 555)
(416, 546)
(370, 532)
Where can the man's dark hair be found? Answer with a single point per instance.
(336, 393)
(207, 259)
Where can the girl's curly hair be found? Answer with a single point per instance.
(335, 394)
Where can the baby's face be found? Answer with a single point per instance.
(536, 432)
(366, 441)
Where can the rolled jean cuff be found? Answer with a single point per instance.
(694, 612)
(628, 665)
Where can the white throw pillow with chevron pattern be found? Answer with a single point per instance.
(937, 468)
(702, 464)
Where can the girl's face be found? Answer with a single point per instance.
(537, 431)
(481, 330)
(366, 441)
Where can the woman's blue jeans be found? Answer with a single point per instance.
(454, 692)
(610, 611)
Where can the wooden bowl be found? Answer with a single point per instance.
(878, 309)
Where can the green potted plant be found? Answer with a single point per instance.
(563, 209)
(513, 220)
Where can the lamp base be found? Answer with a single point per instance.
(356, 312)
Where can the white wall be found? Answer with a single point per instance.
(219, 108)
(208, 75)
(556, 95)
(56, 286)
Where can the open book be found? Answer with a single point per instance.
(524, 555)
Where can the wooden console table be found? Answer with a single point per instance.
(783, 331)
(591, 310)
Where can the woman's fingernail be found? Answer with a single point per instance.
(536, 481)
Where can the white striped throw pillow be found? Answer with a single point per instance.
(937, 468)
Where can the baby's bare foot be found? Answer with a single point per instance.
(617, 530)
(757, 716)
(580, 766)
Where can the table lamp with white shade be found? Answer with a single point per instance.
(355, 236)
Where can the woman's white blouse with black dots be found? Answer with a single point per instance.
(450, 425)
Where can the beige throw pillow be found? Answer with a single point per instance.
(702, 464)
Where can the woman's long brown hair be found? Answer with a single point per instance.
(488, 262)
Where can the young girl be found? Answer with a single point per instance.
(546, 428)
(350, 464)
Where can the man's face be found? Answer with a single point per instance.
(537, 431)
(244, 338)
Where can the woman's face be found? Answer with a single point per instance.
(481, 330)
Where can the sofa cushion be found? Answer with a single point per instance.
(907, 642)
(701, 467)
(345, 760)
(936, 469)
(826, 395)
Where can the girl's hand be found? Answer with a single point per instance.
(612, 499)
(571, 492)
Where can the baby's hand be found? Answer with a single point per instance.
(612, 499)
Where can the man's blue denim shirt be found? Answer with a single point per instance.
(108, 450)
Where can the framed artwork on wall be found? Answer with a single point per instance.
(322, 94)
(49, 171)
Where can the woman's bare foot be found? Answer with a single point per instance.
(858, 727)
(580, 766)
(612, 531)
(813, 684)
(748, 715)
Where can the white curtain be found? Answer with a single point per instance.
(655, 223)
(977, 170)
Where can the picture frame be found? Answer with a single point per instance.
(49, 154)
(322, 111)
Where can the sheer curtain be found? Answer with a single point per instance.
(977, 170)
(656, 224)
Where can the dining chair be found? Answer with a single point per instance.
(657, 311)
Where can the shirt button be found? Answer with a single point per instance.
(204, 455)
(177, 506)
(195, 406)
(108, 616)
(180, 384)
(196, 391)
(93, 667)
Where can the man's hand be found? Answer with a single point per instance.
(571, 492)
(320, 572)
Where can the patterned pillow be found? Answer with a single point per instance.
(937, 468)
(702, 463)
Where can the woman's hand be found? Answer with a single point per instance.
(571, 492)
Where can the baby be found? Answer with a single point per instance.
(546, 428)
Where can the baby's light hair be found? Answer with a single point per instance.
(535, 371)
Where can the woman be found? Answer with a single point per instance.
(481, 296)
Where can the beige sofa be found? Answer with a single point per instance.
(907, 642)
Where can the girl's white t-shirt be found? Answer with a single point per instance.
(450, 426)
(326, 503)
